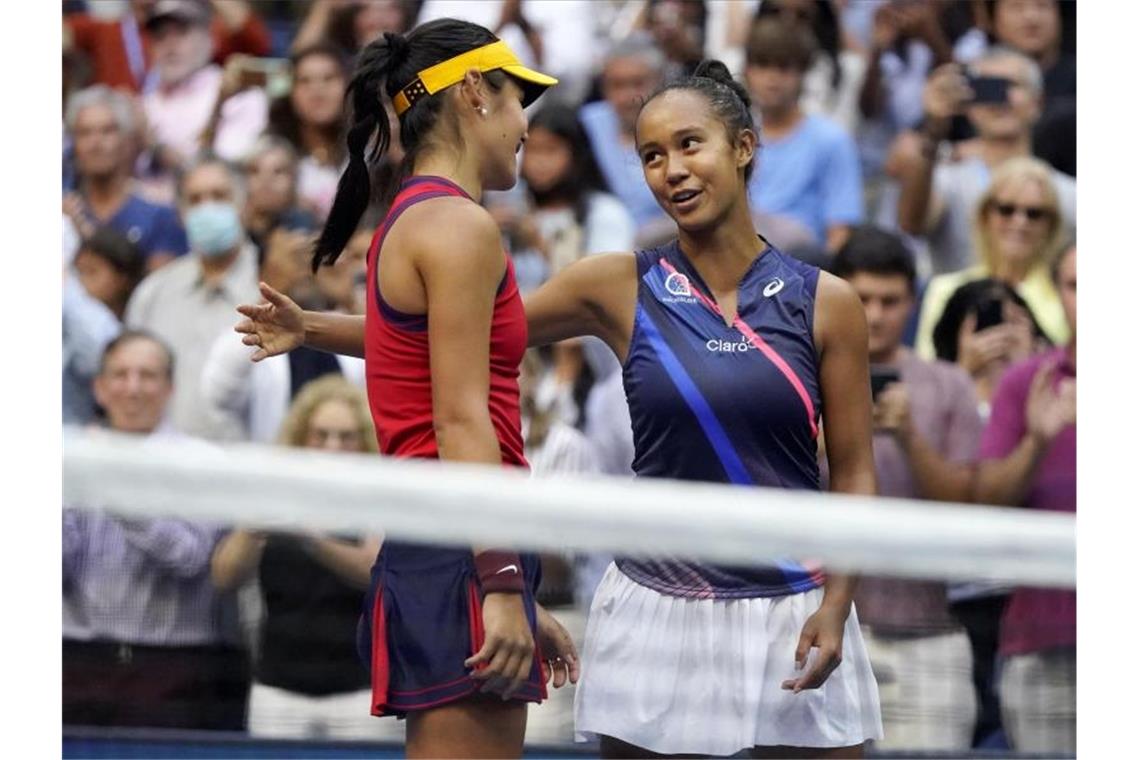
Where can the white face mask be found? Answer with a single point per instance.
(213, 229)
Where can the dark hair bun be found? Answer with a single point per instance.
(397, 47)
(715, 70)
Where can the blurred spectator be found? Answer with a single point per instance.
(145, 636)
(832, 84)
(271, 190)
(1029, 459)
(926, 437)
(253, 399)
(88, 326)
(1018, 227)
(985, 327)
(308, 679)
(808, 167)
(120, 50)
(349, 25)
(1033, 27)
(940, 188)
(553, 448)
(344, 285)
(189, 302)
(109, 268)
(103, 128)
(312, 118)
(193, 106)
(631, 71)
(572, 214)
(906, 39)
(678, 27)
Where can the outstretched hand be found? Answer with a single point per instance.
(276, 326)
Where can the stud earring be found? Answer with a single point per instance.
(483, 111)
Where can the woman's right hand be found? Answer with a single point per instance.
(508, 651)
(276, 327)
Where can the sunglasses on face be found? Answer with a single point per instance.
(1032, 213)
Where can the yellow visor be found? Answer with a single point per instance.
(487, 58)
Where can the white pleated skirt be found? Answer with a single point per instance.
(702, 676)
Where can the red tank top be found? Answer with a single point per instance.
(397, 360)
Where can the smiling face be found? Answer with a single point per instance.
(134, 385)
(1019, 220)
(695, 172)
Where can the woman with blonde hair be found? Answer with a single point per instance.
(1017, 230)
(308, 680)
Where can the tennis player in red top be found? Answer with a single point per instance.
(454, 638)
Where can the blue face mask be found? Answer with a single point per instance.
(213, 229)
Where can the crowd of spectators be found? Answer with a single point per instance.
(923, 150)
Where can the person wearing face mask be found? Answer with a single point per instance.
(189, 302)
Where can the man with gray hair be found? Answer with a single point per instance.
(941, 183)
(191, 301)
(103, 132)
(632, 70)
(190, 97)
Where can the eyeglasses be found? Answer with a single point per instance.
(1032, 213)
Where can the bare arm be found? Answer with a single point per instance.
(352, 562)
(236, 558)
(1047, 412)
(334, 332)
(844, 372)
(315, 26)
(279, 325)
(914, 154)
(593, 296)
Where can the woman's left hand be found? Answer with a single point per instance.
(560, 655)
(822, 631)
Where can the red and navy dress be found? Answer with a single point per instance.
(423, 612)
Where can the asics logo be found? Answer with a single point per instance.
(774, 287)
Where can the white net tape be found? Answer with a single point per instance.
(281, 488)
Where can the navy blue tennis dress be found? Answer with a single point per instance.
(731, 404)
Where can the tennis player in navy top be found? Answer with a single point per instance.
(736, 357)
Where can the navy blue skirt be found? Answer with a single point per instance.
(423, 616)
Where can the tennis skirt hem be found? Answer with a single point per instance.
(703, 676)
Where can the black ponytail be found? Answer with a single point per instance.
(728, 98)
(354, 190)
(385, 65)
